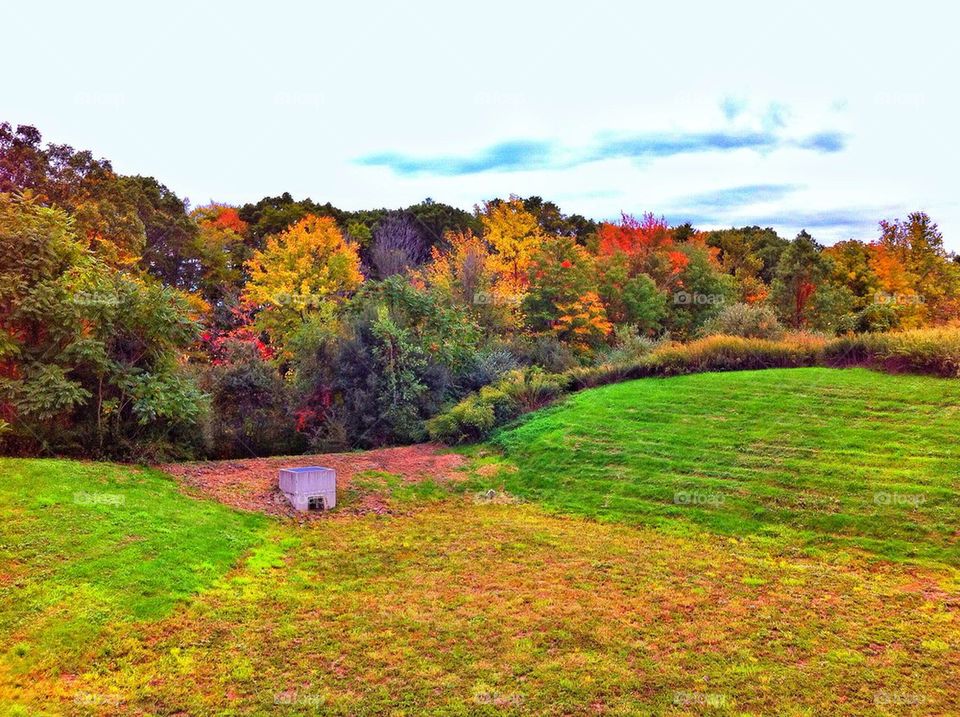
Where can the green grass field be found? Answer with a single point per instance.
(742, 564)
(818, 457)
(85, 545)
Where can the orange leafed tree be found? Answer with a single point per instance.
(465, 273)
(582, 322)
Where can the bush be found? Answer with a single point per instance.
(752, 321)
(251, 407)
(734, 353)
(628, 346)
(520, 391)
(532, 388)
(545, 351)
(470, 420)
(489, 365)
(505, 408)
(933, 351)
(604, 374)
(872, 318)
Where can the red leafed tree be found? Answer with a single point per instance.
(228, 218)
(635, 237)
(645, 246)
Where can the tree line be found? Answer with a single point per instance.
(135, 326)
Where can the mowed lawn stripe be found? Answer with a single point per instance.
(851, 456)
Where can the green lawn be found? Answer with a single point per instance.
(743, 565)
(818, 457)
(85, 545)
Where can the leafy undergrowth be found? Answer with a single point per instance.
(484, 608)
(823, 458)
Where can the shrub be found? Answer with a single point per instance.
(872, 318)
(505, 408)
(469, 420)
(251, 406)
(733, 353)
(520, 391)
(532, 388)
(546, 351)
(489, 365)
(604, 374)
(752, 321)
(629, 345)
(933, 351)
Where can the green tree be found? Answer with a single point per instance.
(803, 268)
(633, 300)
(89, 356)
(562, 296)
(699, 290)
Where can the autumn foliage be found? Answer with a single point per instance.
(136, 316)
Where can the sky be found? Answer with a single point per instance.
(819, 116)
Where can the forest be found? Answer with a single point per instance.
(135, 326)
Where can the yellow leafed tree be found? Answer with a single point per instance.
(301, 271)
(514, 234)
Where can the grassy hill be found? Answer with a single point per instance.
(810, 456)
(725, 575)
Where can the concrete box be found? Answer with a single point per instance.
(310, 488)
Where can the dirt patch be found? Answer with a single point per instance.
(251, 484)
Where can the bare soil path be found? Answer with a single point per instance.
(251, 484)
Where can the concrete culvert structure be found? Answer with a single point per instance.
(311, 488)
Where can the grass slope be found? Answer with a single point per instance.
(822, 457)
(85, 545)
